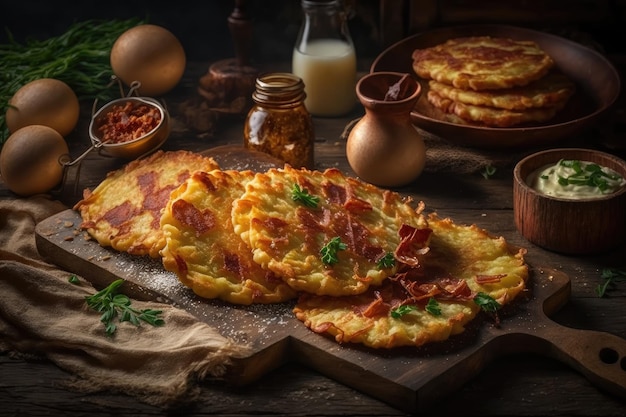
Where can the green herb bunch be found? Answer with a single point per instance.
(113, 305)
(79, 57)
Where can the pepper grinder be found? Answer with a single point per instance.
(228, 84)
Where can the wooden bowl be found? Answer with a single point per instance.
(576, 227)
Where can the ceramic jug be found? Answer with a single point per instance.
(383, 147)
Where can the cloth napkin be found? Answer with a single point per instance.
(43, 314)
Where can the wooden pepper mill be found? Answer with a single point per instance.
(229, 83)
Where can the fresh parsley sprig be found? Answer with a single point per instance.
(489, 305)
(396, 313)
(301, 195)
(329, 251)
(611, 277)
(433, 307)
(112, 305)
(386, 261)
(486, 302)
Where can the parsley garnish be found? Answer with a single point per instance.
(611, 276)
(591, 175)
(432, 306)
(111, 305)
(486, 302)
(303, 196)
(329, 251)
(489, 305)
(73, 279)
(396, 313)
(387, 261)
(488, 172)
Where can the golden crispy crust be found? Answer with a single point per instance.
(286, 236)
(552, 90)
(482, 63)
(203, 249)
(124, 210)
(460, 257)
(491, 116)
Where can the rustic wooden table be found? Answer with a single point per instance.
(519, 384)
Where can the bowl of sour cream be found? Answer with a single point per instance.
(571, 200)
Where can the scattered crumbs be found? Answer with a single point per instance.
(68, 238)
(483, 215)
(550, 278)
(105, 258)
(68, 224)
(86, 236)
(91, 258)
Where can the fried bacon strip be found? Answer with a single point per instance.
(489, 279)
(413, 243)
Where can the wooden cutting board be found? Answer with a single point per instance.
(410, 379)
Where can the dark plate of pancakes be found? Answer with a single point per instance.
(596, 80)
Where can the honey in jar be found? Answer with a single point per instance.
(278, 123)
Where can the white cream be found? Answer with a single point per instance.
(564, 180)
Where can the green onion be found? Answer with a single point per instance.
(590, 175)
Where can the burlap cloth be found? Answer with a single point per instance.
(43, 314)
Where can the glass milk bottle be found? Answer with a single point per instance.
(325, 59)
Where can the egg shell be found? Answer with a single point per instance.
(30, 160)
(151, 55)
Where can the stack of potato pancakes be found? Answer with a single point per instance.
(492, 82)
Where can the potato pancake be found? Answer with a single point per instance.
(428, 303)
(323, 232)
(482, 62)
(491, 116)
(203, 249)
(124, 210)
(552, 90)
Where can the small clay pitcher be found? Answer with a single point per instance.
(383, 147)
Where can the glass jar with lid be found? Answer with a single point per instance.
(278, 123)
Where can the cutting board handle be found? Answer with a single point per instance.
(599, 356)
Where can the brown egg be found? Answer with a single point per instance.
(151, 55)
(29, 160)
(46, 101)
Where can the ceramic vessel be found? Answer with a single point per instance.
(383, 147)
